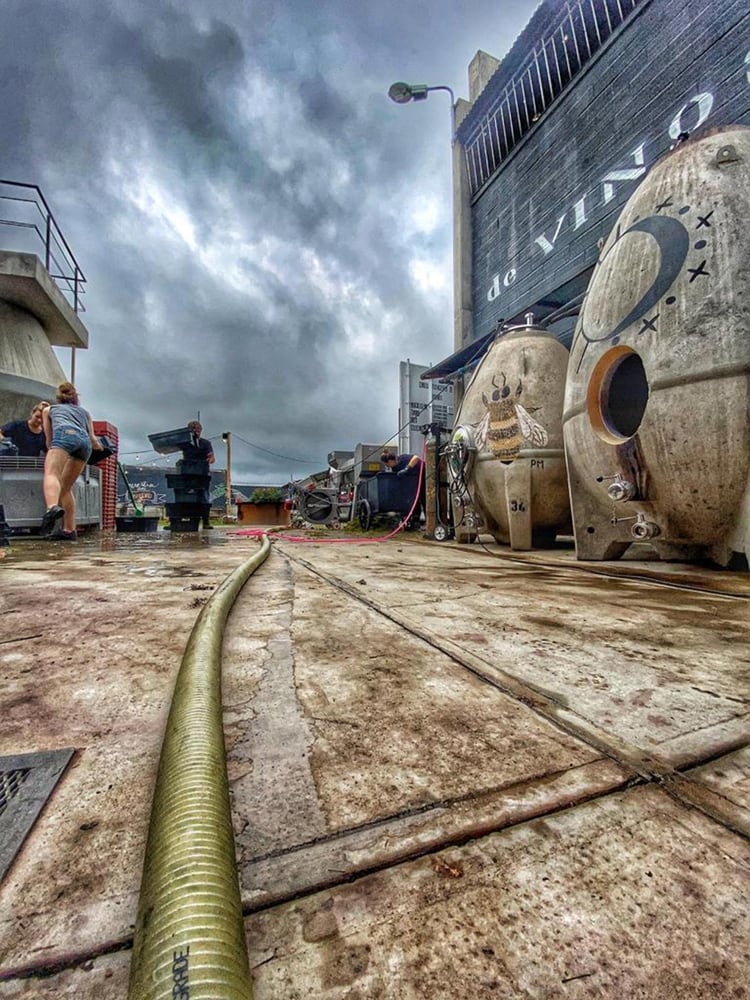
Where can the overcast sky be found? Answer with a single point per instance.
(265, 235)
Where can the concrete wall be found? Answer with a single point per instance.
(29, 369)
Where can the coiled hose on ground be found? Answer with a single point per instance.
(189, 936)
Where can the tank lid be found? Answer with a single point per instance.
(528, 329)
(525, 330)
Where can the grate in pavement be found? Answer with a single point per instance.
(26, 782)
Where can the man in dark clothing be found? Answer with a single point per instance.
(199, 450)
(27, 435)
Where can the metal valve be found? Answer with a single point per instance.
(621, 489)
(643, 530)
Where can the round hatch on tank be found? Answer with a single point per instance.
(617, 395)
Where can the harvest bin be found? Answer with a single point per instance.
(139, 524)
(166, 442)
(186, 516)
(189, 489)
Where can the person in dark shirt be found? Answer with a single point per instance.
(400, 464)
(27, 435)
(199, 450)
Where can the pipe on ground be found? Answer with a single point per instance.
(189, 935)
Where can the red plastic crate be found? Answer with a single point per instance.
(108, 471)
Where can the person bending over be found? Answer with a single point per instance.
(27, 435)
(70, 439)
(400, 464)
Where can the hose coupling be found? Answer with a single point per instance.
(643, 530)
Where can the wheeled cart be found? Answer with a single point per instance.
(388, 494)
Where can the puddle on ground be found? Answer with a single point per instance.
(32, 548)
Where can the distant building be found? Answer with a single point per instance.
(149, 487)
(421, 403)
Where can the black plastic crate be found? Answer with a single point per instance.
(185, 481)
(137, 524)
(188, 508)
(188, 467)
(190, 495)
(165, 442)
(101, 455)
(183, 522)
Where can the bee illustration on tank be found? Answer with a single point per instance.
(506, 425)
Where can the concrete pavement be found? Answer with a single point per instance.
(456, 771)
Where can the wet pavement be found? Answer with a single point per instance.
(455, 771)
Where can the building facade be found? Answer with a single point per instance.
(421, 403)
(556, 137)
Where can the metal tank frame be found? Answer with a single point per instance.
(22, 497)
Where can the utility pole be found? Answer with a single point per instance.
(227, 438)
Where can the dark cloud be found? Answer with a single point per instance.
(265, 236)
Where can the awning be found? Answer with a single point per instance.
(457, 363)
(563, 303)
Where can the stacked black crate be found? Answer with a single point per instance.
(190, 483)
(191, 501)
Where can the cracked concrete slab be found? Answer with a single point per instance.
(627, 896)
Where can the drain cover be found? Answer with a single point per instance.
(26, 782)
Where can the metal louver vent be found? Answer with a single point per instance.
(26, 782)
(10, 782)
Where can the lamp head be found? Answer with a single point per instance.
(402, 93)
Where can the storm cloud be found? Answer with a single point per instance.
(264, 234)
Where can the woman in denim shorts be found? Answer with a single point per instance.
(70, 438)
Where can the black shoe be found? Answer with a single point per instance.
(208, 527)
(50, 519)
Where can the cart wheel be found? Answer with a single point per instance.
(440, 533)
(365, 515)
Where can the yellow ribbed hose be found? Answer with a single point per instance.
(189, 935)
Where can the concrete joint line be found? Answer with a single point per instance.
(644, 767)
(295, 873)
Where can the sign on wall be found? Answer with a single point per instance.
(676, 67)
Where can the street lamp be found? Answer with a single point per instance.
(227, 438)
(403, 93)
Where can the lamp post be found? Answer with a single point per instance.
(227, 438)
(463, 322)
(403, 93)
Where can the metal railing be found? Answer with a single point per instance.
(581, 29)
(38, 232)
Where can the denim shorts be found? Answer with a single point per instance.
(72, 441)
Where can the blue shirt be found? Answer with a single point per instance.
(28, 443)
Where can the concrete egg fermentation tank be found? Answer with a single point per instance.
(657, 404)
(506, 455)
